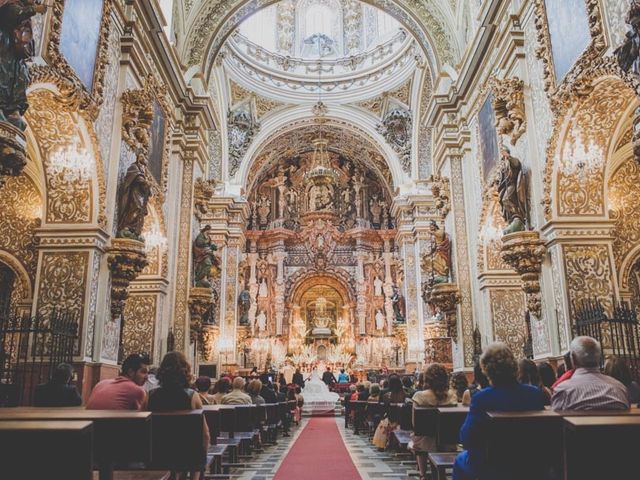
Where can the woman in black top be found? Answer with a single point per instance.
(174, 393)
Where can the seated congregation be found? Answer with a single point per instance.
(516, 420)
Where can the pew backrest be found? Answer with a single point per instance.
(177, 440)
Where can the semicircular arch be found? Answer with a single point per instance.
(299, 117)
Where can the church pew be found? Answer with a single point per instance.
(218, 446)
(46, 449)
(177, 441)
(358, 408)
(529, 443)
(448, 423)
(600, 447)
(119, 436)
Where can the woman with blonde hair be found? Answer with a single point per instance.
(437, 394)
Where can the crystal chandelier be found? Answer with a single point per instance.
(71, 163)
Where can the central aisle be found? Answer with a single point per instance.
(319, 453)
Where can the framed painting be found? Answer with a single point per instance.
(488, 137)
(80, 37)
(569, 33)
(156, 150)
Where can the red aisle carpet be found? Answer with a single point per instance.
(319, 453)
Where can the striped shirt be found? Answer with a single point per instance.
(588, 389)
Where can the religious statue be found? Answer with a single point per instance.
(377, 287)
(292, 198)
(512, 192)
(375, 209)
(320, 198)
(16, 46)
(321, 318)
(264, 208)
(263, 291)
(261, 321)
(436, 261)
(379, 320)
(133, 199)
(398, 306)
(282, 190)
(628, 54)
(205, 262)
(244, 304)
(346, 196)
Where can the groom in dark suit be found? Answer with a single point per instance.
(328, 378)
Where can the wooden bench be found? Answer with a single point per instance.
(46, 449)
(440, 464)
(177, 441)
(448, 423)
(529, 443)
(220, 446)
(600, 447)
(119, 436)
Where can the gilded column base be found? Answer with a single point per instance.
(445, 297)
(13, 144)
(438, 347)
(127, 258)
(524, 251)
(200, 300)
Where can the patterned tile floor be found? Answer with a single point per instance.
(370, 463)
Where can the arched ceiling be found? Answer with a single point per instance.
(349, 144)
(210, 22)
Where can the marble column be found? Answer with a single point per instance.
(361, 298)
(279, 290)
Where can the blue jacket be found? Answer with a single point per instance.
(473, 434)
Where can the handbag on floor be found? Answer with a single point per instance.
(381, 435)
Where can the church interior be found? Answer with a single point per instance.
(312, 222)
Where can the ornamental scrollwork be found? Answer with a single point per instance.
(242, 128)
(127, 258)
(508, 105)
(396, 128)
(140, 314)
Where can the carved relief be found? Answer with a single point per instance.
(242, 126)
(139, 326)
(69, 194)
(20, 217)
(508, 105)
(507, 311)
(127, 258)
(624, 198)
(588, 274)
(396, 128)
(62, 284)
(462, 254)
(184, 255)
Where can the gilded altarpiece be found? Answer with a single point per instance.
(140, 319)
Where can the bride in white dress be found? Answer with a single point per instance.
(317, 397)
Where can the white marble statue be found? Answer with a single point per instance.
(263, 291)
(377, 287)
(261, 321)
(379, 320)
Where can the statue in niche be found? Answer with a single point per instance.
(377, 287)
(264, 208)
(16, 46)
(512, 192)
(292, 200)
(436, 261)
(628, 54)
(263, 290)
(133, 200)
(244, 304)
(261, 321)
(375, 209)
(320, 198)
(385, 215)
(398, 306)
(205, 262)
(379, 320)
(346, 195)
(282, 190)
